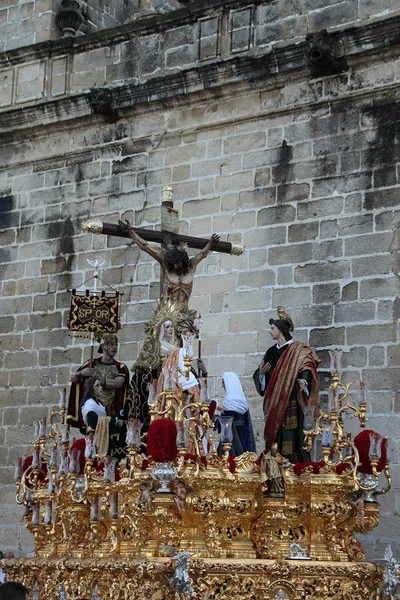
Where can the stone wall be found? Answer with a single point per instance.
(305, 172)
(26, 22)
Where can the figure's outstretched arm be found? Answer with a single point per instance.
(141, 243)
(214, 239)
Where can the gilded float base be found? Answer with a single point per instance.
(213, 579)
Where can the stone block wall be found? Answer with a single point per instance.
(256, 24)
(305, 173)
(26, 22)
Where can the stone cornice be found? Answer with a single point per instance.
(247, 70)
(143, 26)
(161, 22)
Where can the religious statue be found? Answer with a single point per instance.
(180, 580)
(297, 552)
(272, 472)
(145, 497)
(182, 490)
(189, 386)
(94, 416)
(177, 268)
(112, 375)
(287, 378)
(235, 405)
(158, 343)
(167, 339)
(391, 576)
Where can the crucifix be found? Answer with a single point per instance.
(176, 267)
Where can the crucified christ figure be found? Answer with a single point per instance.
(177, 268)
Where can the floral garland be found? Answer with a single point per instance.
(161, 440)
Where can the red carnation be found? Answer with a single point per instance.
(161, 440)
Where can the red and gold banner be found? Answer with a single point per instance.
(94, 313)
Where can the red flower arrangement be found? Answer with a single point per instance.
(362, 442)
(161, 440)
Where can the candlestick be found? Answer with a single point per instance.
(362, 391)
(63, 398)
(375, 446)
(336, 360)
(18, 469)
(48, 515)
(114, 505)
(188, 340)
(226, 429)
(35, 514)
(51, 488)
(152, 393)
(109, 469)
(43, 427)
(54, 457)
(74, 466)
(333, 399)
(65, 436)
(95, 509)
(133, 429)
(327, 440)
(63, 469)
(37, 458)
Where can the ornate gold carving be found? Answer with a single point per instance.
(237, 249)
(213, 579)
(242, 536)
(93, 226)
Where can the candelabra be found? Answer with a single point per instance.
(340, 449)
(185, 405)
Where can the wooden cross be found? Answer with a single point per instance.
(169, 228)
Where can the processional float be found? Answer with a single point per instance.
(180, 517)
(103, 532)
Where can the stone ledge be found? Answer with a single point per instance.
(249, 70)
(143, 26)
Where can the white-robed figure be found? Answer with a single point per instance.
(235, 405)
(94, 415)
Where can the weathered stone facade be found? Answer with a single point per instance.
(298, 159)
